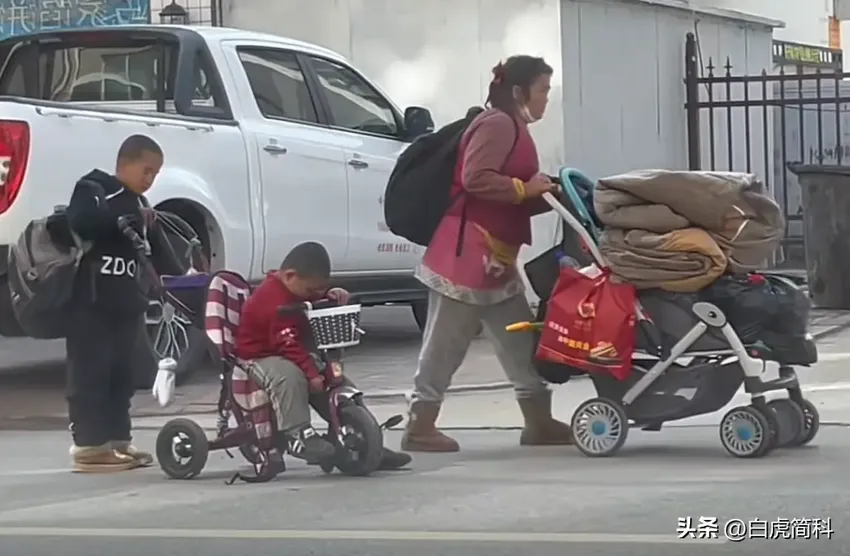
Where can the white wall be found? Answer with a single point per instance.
(436, 54)
(624, 93)
(806, 21)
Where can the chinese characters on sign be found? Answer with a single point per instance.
(739, 530)
(18, 17)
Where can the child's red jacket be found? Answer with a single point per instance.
(262, 333)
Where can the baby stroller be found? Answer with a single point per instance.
(674, 375)
(182, 446)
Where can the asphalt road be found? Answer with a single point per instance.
(492, 499)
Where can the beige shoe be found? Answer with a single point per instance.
(541, 429)
(421, 434)
(126, 448)
(100, 459)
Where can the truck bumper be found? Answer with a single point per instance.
(9, 326)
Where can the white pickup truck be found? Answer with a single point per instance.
(268, 142)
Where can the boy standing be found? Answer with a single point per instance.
(109, 302)
(283, 364)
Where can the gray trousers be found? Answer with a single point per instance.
(290, 394)
(288, 390)
(451, 327)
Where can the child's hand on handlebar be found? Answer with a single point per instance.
(338, 295)
(317, 385)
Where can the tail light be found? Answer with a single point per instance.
(14, 156)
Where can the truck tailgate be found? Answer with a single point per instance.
(66, 142)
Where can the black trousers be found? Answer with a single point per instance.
(101, 347)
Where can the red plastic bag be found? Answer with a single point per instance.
(590, 324)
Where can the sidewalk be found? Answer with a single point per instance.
(498, 409)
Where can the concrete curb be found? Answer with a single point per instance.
(401, 395)
(384, 396)
(832, 330)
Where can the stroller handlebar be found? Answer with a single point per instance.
(577, 226)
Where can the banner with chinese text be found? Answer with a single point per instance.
(18, 17)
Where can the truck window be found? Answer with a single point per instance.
(353, 102)
(278, 84)
(97, 74)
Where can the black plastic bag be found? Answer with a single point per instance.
(755, 304)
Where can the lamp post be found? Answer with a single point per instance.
(174, 14)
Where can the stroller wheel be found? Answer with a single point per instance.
(600, 427)
(182, 449)
(790, 420)
(745, 432)
(811, 423)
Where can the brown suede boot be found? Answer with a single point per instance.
(421, 434)
(540, 428)
(100, 459)
(126, 448)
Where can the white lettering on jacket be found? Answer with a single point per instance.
(117, 266)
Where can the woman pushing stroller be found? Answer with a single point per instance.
(470, 264)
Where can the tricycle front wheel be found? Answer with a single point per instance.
(363, 441)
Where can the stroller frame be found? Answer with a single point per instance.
(796, 417)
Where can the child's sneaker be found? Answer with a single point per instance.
(310, 446)
(100, 459)
(126, 448)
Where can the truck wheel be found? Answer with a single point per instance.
(171, 333)
(420, 313)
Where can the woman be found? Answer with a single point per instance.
(470, 265)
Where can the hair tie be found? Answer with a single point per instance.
(498, 73)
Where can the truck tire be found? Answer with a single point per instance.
(170, 333)
(420, 313)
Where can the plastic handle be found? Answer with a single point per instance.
(523, 326)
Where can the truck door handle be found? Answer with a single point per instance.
(355, 163)
(275, 149)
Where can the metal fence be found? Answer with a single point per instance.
(760, 123)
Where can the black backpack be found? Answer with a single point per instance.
(418, 192)
(41, 275)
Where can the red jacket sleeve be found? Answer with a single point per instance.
(285, 337)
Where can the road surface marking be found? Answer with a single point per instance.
(827, 387)
(356, 535)
(25, 472)
(827, 357)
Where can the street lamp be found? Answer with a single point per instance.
(174, 14)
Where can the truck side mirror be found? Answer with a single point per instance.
(417, 121)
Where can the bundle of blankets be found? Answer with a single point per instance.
(679, 231)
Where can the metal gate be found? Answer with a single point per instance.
(762, 123)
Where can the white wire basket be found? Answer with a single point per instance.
(336, 327)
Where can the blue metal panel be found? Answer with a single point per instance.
(18, 17)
